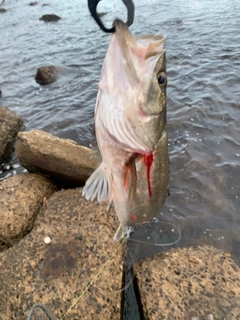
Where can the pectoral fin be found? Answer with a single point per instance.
(97, 186)
(119, 126)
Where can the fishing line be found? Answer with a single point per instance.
(161, 244)
(94, 279)
(132, 274)
(47, 313)
(122, 241)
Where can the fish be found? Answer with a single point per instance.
(130, 126)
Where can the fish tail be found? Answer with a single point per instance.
(122, 232)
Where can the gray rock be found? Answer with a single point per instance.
(2, 10)
(50, 17)
(46, 75)
(10, 124)
(61, 159)
(21, 197)
(102, 14)
(33, 3)
(190, 283)
(81, 250)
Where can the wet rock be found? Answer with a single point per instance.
(10, 124)
(33, 3)
(2, 10)
(190, 283)
(50, 17)
(46, 75)
(61, 159)
(21, 197)
(56, 274)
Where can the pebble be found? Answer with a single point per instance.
(47, 240)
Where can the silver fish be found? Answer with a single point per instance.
(130, 124)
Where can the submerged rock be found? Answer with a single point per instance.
(46, 75)
(61, 159)
(21, 197)
(190, 283)
(10, 124)
(50, 17)
(102, 14)
(56, 273)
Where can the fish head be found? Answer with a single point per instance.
(135, 76)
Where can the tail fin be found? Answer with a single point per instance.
(122, 232)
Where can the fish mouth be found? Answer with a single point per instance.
(144, 46)
(140, 53)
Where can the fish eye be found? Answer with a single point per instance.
(162, 79)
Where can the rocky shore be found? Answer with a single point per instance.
(56, 248)
(10, 124)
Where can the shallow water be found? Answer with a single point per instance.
(203, 66)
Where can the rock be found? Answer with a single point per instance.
(81, 254)
(33, 3)
(0, 94)
(50, 17)
(46, 75)
(2, 10)
(102, 14)
(61, 159)
(21, 197)
(190, 283)
(10, 124)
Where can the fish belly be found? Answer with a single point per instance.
(138, 182)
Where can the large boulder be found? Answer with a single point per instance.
(46, 75)
(21, 197)
(10, 124)
(69, 260)
(196, 283)
(61, 159)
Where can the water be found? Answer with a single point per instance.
(203, 65)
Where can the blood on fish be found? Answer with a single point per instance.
(133, 217)
(128, 172)
(148, 160)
